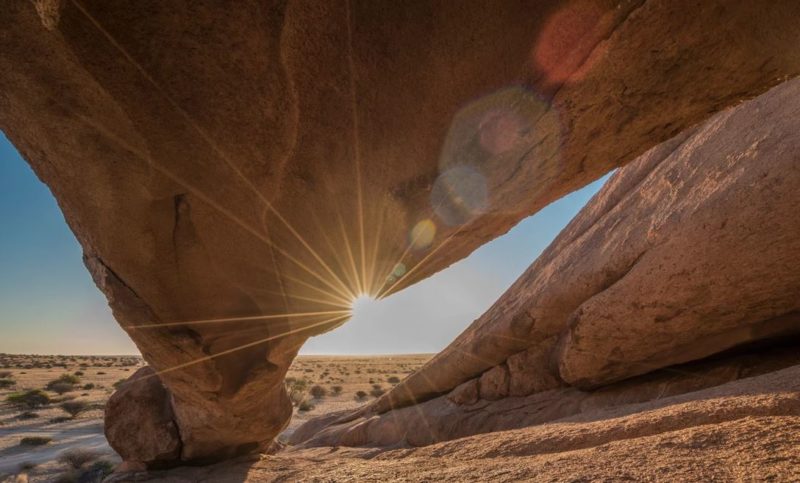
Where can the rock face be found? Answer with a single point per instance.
(688, 252)
(237, 176)
(139, 422)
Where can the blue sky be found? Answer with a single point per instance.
(49, 304)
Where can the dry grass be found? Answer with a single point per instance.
(342, 378)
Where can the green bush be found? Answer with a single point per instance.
(35, 441)
(29, 399)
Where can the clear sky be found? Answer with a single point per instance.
(49, 304)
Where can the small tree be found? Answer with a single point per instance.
(360, 395)
(74, 408)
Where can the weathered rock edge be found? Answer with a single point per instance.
(688, 252)
(165, 133)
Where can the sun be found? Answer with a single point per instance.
(364, 306)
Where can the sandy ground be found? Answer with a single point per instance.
(85, 431)
(350, 373)
(747, 430)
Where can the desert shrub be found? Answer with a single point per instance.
(393, 380)
(77, 457)
(6, 383)
(65, 378)
(305, 406)
(63, 384)
(377, 391)
(5, 374)
(35, 441)
(60, 388)
(318, 392)
(27, 466)
(60, 419)
(101, 373)
(119, 383)
(74, 408)
(29, 399)
(336, 390)
(360, 395)
(28, 415)
(78, 373)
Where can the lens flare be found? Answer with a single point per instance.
(422, 234)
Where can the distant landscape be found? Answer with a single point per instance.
(51, 415)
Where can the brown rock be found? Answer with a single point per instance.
(219, 163)
(687, 252)
(530, 371)
(493, 384)
(465, 394)
(439, 419)
(140, 424)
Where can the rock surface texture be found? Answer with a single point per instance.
(140, 422)
(688, 252)
(745, 430)
(237, 176)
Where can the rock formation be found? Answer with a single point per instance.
(688, 252)
(237, 175)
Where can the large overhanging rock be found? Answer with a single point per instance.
(688, 252)
(271, 158)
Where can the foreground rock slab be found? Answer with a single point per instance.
(277, 159)
(744, 430)
(688, 252)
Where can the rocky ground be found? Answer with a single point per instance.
(747, 430)
(98, 374)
